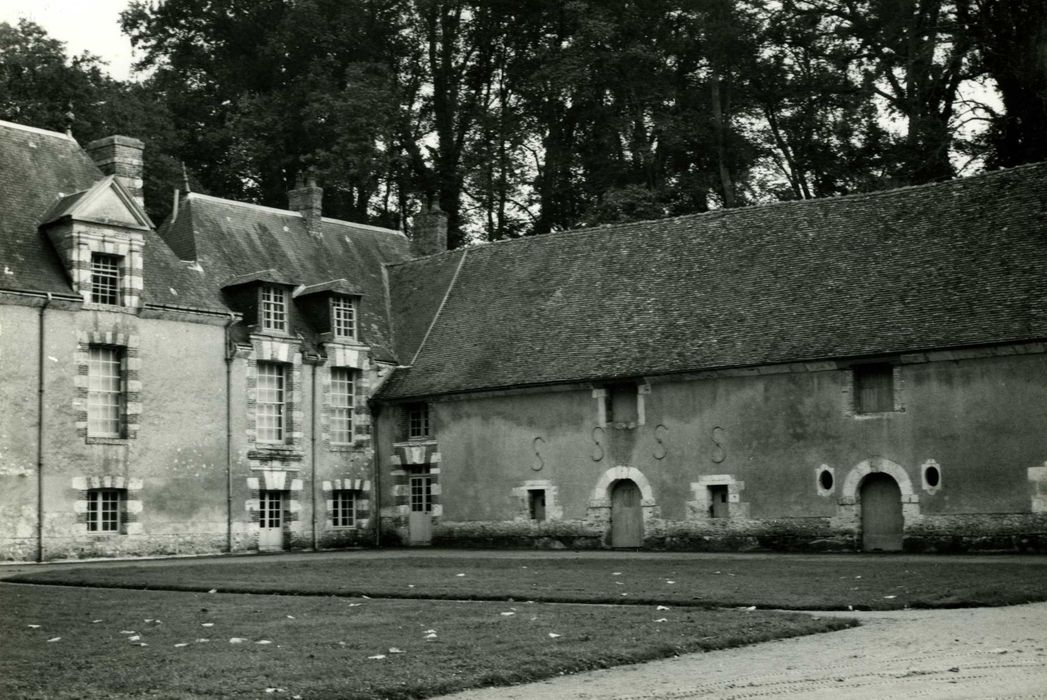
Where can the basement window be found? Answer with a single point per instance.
(873, 388)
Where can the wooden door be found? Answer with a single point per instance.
(626, 515)
(420, 521)
(271, 521)
(882, 522)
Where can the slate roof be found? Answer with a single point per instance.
(947, 265)
(43, 173)
(230, 239)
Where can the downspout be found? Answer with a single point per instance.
(229, 354)
(312, 456)
(376, 476)
(40, 436)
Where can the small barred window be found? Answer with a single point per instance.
(271, 405)
(274, 308)
(105, 279)
(106, 392)
(343, 508)
(342, 391)
(104, 508)
(343, 318)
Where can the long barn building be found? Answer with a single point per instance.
(857, 373)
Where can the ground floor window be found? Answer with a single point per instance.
(536, 504)
(104, 508)
(343, 507)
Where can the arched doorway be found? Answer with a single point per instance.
(626, 514)
(882, 521)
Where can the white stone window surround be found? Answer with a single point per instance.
(342, 404)
(287, 352)
(521, 495)
(128, 345)
(129, 504)
(698, 507)
(271, 417)
(850, 398)
(601, 395)
(105, 279)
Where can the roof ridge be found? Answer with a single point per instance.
(722, 212)
(37, 130)
(367, 227)
(439, 309)
(288, 212)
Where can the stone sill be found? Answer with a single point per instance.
(275, 452)
(357, 446)
(107, 440)
(114, 308)
(414, 442)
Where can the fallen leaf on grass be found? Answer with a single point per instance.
(377, 656)
(213, 590)
(662, 619)
(662, 607)
(625, 594)
(53, 639)
(430, 636)
(410, 585)
(34, 627)
(95, 622)
(181, 644)
(290, 617)
(237, 640)
(459, 575)
(616, 573)
(207, 624)
(202, 640)
(394, 650)
(670, 582)
(128, 632)
(139, 644)
(133, 638)
(750, 608)
(365, 597)
(507, 614)
(429, 632)
(889, 597)
(554, 635)
(263, 641)
(355, 605)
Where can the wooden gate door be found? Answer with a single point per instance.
(626, 515)
(882, 521)
(420, 522)
(271, 521)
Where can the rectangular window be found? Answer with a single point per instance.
(536, 504)
(274, 308)
(418, 420)
(718, 501)
(421, 486)
(343, 318)
(271, 404)
(622, 403)
(105, 279)
(106, 394)
(343, 386)
(873, 388)
(343, 508)
(104, 508)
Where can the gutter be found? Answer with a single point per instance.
(312, 455)
(376, 476)
(40, 435)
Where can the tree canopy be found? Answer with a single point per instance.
(520, 117)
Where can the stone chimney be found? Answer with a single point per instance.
(429, 234)
(120, 156)
(307, 199)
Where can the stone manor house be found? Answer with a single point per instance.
(864, 372)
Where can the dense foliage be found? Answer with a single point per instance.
(529, 116)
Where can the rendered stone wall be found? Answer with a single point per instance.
(765, 436)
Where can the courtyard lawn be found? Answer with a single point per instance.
(783, 582)
(98, 643)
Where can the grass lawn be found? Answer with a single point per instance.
(99, 643)
(783, 582)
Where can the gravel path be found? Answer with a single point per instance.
(968, 653)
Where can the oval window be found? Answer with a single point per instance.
(932, 476)
(825, 479)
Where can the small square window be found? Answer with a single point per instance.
(418, 420)
(105, 509)
(343, 383)
(271, 402)
(873, 388)
(274, 308)
(536, 504)
(106, 392)
(621, 403)
(105, 279)
(343, 318)
(343, 508)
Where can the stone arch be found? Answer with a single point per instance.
(849, 491)
(601, 492)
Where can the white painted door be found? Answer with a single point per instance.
(271, 521)
(420, 523)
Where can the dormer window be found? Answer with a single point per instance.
(343, 318)
(105, 279)
(273, 308)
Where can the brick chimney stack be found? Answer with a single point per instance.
(429, 234)
(120, 156)
(307, 199)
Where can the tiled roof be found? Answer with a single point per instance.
(954, 264)
(230, 239)
(43, 174)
